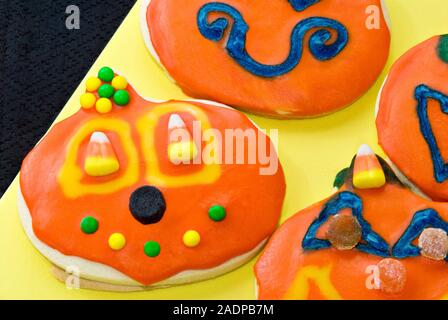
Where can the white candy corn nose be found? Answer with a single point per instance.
(100, 156)
(181, 148)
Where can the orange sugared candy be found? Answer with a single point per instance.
(433, 243)
(344, 232)
(392, 276)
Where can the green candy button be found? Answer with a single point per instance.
(106, 74)
(106, 91)
(217, 213)
(121, 97)
(152, 249)
(89, 225)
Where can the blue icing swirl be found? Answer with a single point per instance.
(236, 44)
(301, 5)
(422, 219)
(373, 243)
(422, 94)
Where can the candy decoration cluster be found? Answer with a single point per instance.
(105, 90)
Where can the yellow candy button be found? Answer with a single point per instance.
(191, 238)
(117, 241)
(93, 84)
(103, 105)
(88, 100)
(119, 83)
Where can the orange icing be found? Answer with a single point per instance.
(204, 69)
(398, 125)
(253, 202)
(333, 274)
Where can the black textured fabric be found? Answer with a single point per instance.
(41, 63)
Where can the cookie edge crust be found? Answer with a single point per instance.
(101, 273)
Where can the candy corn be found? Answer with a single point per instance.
(367, 173)
(182, 149)
(100, 156)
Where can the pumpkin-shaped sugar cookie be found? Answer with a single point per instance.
(134, 193)
(278, 58)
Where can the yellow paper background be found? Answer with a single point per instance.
(311, 151)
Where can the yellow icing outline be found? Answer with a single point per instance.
(146, 127)
(299, 290)
(71, 174)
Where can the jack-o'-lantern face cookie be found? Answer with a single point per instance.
(299, 58)
(412, 117)
(372, 239)
(139, 193)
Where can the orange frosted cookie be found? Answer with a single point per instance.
(111, 193)
(285, 59)
(411, 117)
(372, 239)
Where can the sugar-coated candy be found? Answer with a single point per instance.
(119, 83)
(433, 243)
(103, 105)
(88, 100)
(344, 232)
(392, 276)
(92, 84)
(106, 74)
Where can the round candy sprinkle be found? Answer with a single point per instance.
(106, 74)
(217, 213)
(93, 84)
(392, 276)
(117, 241)
(433, 243)
(103, 105)
(106, 91)
(88, 100)
(344, 232)
(121, 97)
(119, 83)
(191, 238)
(89, 225)
(152, 249)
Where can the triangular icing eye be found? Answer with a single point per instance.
(181, 147)
(422, 94)
(422, 220)
(373, 243)
(100, 157)
(301, 5)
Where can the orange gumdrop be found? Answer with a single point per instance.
(392, 276)
(344, 232)
(433, 243)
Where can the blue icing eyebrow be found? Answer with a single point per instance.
(236, 44)
(301, 5)
(422, 94)
(374, 244)
(422, 219)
